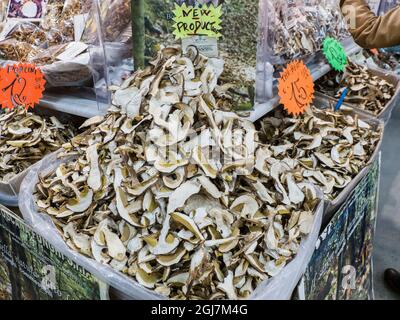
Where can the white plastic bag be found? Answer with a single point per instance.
(280, 287)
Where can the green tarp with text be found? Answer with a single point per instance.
(31, 269)
(341, 267)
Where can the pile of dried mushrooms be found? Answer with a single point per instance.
(167, 189)
(325, 148)
(366, 91)
(25, 138)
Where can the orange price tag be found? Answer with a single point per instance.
(296, 88)
(21, 85)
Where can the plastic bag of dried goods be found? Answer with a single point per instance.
(28, 32)
(114, 18)
(279, 287)
(11, 49)
(68, 74)
(332, 22)
(292, 31)
(75, 7)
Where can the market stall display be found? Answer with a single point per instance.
(172, 193)
(135, 193)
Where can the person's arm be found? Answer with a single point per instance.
(369, 30)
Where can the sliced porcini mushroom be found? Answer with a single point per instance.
(92, 122)
(262, 192)
(140, 188)
(316, 143)
(178, 279)
(179, 197)
(94, 179)
(278, 150)
(209, 187)
(18, 130)
(188, 223)
(170, 164)
(64, 213)
(167, 242)
(81, 241)
(246, 206)
(306, 221)
(99, 252)
(273, 267)
(115, 247)
(82, 203)
(270, 238)
(359, 150)
(228, 287)
(148, 204)
(173, 259)
(325, 160)
(174, 180)
(147, 280)
(347, 134)
(204, 163)
(223, 220)
(122, 207)
(296, 196)
(261, 160)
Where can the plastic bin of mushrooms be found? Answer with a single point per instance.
(188, 200)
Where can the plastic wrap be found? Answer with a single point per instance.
(332, 21)
(74, 7)
(280, 287)
(110, 22)
(27, 32)
(109, 33)
(14, 50)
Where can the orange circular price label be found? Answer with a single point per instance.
(21, 85)
(296, 88)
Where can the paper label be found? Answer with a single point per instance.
(21, 85)
(79, 26)
(206, 45)
(192, 21)
(72, 51)
(296, 88)
(335, 54)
